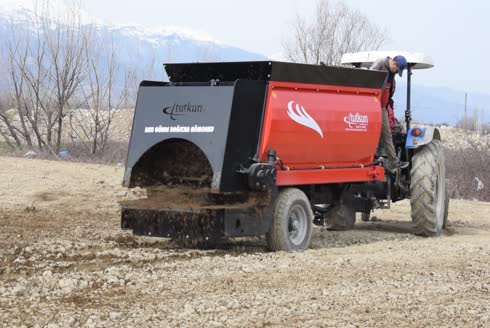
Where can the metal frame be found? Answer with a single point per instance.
(408, 112)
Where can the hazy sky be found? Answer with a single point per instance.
(454, 33)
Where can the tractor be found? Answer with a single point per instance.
(234, 149)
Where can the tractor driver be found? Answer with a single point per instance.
(391, 65)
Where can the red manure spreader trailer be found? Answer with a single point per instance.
(270, 148)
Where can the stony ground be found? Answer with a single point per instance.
(64, 262)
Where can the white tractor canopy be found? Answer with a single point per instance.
(366, 58)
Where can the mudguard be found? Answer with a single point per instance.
(428, 134)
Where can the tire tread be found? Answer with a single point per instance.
(276, 239)
(422, 189)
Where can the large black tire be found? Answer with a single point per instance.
(292, 224)
(428, 190)
(340, 218)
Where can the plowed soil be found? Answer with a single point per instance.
(64, 262)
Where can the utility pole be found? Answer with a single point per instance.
(465, 99)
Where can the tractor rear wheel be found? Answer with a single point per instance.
(340, 218)
(428, 190)
(292, 224)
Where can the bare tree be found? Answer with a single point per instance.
(100, 99)
(336, 29)
(37, 100)
(44, 64)
(66, 42)
(28, 78)
(17, 61)
(9, 117)
(8, 131)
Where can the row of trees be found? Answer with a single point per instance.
(56, 66)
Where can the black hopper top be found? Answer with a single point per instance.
(275, 71)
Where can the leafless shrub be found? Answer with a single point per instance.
(468, 170)
(474, 123)
(334, 30)
(115, 153)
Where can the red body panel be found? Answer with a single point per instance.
(310, 126)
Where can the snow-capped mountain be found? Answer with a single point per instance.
(135, 45)
(172, 44)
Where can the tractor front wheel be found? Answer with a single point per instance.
(292, 224)
(428, 190)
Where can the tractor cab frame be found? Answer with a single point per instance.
(405, 141)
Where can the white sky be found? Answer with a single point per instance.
(455, 33)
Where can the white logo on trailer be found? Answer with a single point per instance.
(356, 122)
(301, 116)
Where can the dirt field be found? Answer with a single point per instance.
(64, 262)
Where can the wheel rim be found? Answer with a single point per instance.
(297, 225)
(439, 196)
